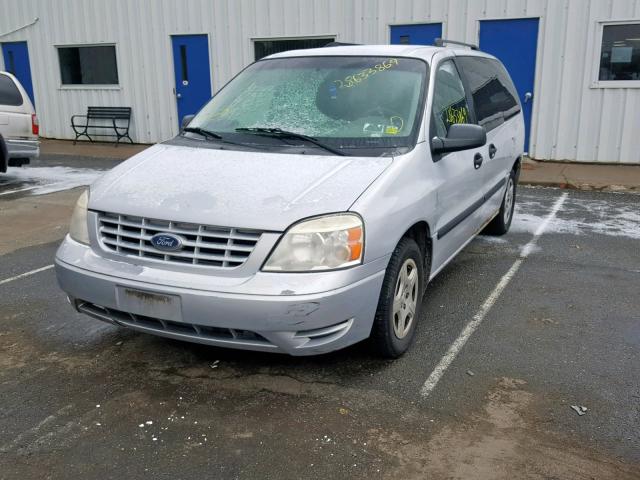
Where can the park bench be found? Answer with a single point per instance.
(117, 119)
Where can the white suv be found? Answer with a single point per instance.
(18, 124)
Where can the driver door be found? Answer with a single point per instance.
(460, 179)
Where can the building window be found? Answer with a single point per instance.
(264, 48)
(92, 65)
(620, 52)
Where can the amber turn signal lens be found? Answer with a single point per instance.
(355, 243)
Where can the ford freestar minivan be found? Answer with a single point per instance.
(307, 205)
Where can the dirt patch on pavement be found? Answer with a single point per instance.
(35, 220)
(502, 442)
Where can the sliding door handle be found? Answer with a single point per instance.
(492, 150)
(477, 161)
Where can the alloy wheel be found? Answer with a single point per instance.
(405, 299)
(508, 201)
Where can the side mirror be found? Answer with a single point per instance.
(186, 120)
(461, 136)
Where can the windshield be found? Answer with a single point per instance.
(351, 102)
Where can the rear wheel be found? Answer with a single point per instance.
(501, 222)
(4, 156)
(399, 304)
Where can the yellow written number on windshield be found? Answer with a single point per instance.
(356, 78)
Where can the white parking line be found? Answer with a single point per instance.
(26, 274)
(471, 327)
(19, 190)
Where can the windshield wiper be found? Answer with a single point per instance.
(279, 133)
(203, 131)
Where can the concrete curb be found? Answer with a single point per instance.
(569, 185)
(581, 176)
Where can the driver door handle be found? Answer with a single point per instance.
(492, 150)
(477, 161)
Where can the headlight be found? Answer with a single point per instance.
(78, 229)
(323, 243)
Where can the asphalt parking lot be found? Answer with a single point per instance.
(512, 348)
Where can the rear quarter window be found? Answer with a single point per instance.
(494, 96)
(9, 93)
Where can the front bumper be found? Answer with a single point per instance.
(23, 148)
(248, 315)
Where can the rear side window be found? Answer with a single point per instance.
(449, 100)
(9, 93)
(494, 97)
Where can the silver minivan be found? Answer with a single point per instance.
(307, 205)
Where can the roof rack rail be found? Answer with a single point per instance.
(440, 42)
(340, 44)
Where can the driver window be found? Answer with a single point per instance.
(449, 100)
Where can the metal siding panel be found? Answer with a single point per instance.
(516, 8)
(570, 120)
(456, 21)
(629, 144)
(536, 8)
(403, 11)
(369, 12)
(573, 82)
(591, 110)
(248, 29)
(547, 94)
(610, 125)
(561, 93)
(495, 9)
(475, 13)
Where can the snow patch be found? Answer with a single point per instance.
(491, 239)
(580, 217)
(42, 180)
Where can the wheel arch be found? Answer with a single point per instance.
(421, 234)
(517, 165)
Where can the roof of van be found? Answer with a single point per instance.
(417, 51)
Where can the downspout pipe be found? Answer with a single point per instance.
(33, 22)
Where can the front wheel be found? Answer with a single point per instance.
(399, 304)
(501, 222)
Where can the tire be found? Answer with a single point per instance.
(398, 311)
(502, 222)
(4, 156)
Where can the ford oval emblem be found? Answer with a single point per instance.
(166, 241)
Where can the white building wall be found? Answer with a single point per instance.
(572, 120)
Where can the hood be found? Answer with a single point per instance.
(256, 190)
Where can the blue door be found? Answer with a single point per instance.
(515, 42)
(192, 72)
(422, 34)
(16, 62)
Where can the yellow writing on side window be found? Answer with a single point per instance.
(357, 78)
(457, 115)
